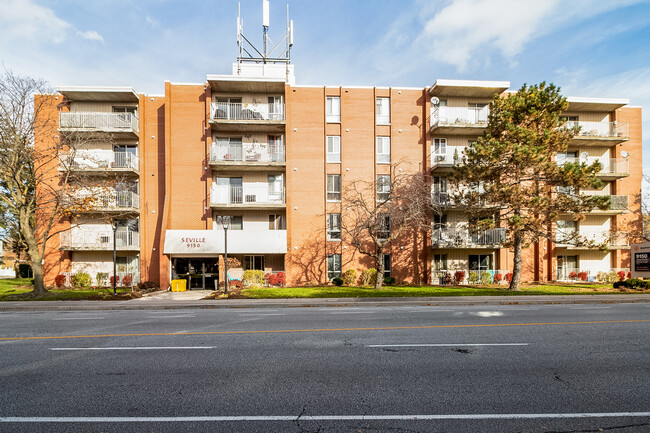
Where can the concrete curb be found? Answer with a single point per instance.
(152, 303)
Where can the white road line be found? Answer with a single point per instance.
(423, 417)
(352, 312)
(590, 308)
(447, 345)
(260, 314)
(135, 348)
(170, 317)
(78, 318)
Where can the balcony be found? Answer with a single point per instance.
(99, 240)
(618, 205)
(590, 239)
(250, 196)
(125, 125)
(446, 200)
(467, 238)
(100, 162)
(106, 201)
(253, 241)
(446, 276)
(612, 168)
(235, 116)
(459, 120)
(598, 133)
(247, 156)
(445, 161)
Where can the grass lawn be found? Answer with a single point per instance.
(9, 288)
(405, 291)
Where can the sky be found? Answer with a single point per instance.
(594, 48)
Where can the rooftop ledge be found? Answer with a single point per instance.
(243, 83)
(468, 88)
(595, 104)
(99, 94)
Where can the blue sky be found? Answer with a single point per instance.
(592, 48)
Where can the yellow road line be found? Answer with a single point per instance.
(281, 331)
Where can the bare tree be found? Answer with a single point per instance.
(380, 211)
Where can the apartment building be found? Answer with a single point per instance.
(275, 156)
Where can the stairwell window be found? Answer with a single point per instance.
(383, 111)
(388, 265)
(333, 109)
(333, 226)
(333, 187)
(383, 150)
(333, 266)
(383, 226)
(333, 148)
(236, 222)
(383, 187)
(277, 222)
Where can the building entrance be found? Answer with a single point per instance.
(200, 273)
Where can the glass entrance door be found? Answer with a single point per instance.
(481, 263)
(200, 273)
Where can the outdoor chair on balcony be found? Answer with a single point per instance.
(220, 114)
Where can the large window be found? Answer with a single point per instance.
(383, 111)
(333, 148)
(275, 108)
(253, 263)
(383, 226)
(333, 226)
(383, 187)
(276, 187)
(236, 222)
(383, 150)
(333, 266)
(333, 187)
(333, 109)
(439, 149)
(276, 222)
(388, 265)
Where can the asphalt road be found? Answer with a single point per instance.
(536, 368)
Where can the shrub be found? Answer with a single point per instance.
(621, 275)
(148, 286)
(583, 275)
(232, 284)
(486, 278)
(612, 277)
(497, 278)
(349, 277)
(369, 277)
(253, 278)
(390, 281)
(619, 284)
(273, 280)
(459, 276)
(573, 275)
(629, 274)
(117, 280)
(337, 281)
(127, 280)
(508, 277)
(601, 276)
(447, 278)
(59, 280)
(102, 278)
(473, 277)
(282, 278)
(82, 279)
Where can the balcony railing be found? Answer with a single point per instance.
(571, 274)
(246, 195)
(599, 129)
(100, 239)
(457, 237)
(100, 161)
(247, 152)
(446, 276)
(610, 166)
(590, 238)
(249, 112)
(451, 156)
(104, 201)
(109, 122)
(135, 278)
(460, 116)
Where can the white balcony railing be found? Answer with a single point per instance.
(105, 200)
(247, 152)
(100, 239)
(599, 129)
(457, 237)
(109, 122)
(571, 274)
(451, 156)
(100, 161)
(611, 166)
(240, 111)
(250, 194)
(588, 237)
(459, 116)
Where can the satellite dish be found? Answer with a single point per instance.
(584, 155)
(624, 154)
(435, 100)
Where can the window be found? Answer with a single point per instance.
(566, 190)
(383, 111)
(333, 226)
(124, 155)
(333, 187)
(569, 121)
(333, 109)
(236, 222)
(388, 262)
(566, 230)
(333, 266)
(383, 187)
(440, 262)
(383, 226)
(564, 157)
(253, 263)
(333, 148)
(439, 149)
(275, 108)
(132, 110)
(477, 112)
(228, 149)
(276, 222)
(567, 267)
(383, 150)
(275, 187)
(276, 149)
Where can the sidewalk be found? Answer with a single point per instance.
(192, 299)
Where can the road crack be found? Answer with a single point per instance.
(601, 429)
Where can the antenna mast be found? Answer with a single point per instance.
(271, 52)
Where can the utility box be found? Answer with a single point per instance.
(179, 285)
(640, 260)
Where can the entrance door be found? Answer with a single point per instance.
(200, 273)
(481, 263)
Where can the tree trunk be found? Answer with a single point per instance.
(39, 286)
(33, 253)
(380, 270)
(516, 271)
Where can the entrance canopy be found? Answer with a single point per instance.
(206, 243)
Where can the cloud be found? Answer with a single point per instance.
(91, 35)
(25, 20)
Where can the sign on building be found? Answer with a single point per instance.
(640, 258)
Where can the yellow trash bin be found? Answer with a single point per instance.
(179, 285)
